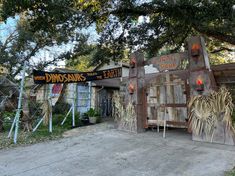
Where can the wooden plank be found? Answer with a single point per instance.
(168, 122)
(169, 84)
(177, 123)
(230, 66)
(226, 80)
(183, 74)
(173, 105)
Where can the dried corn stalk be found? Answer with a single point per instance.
(207, 111)
(126, 118)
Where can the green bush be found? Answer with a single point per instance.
(61, 108)
(8, 116)
(230, 173)
(58, 118)
(93, 113)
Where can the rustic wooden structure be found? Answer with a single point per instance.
(160, 99)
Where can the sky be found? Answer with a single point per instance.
(7, 28)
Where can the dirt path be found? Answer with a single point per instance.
(102, 151)
(90, 129)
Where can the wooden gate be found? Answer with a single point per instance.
(167, 97)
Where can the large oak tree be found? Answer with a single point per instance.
(149, 25)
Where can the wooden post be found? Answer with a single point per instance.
(138, 97)
(170, 97)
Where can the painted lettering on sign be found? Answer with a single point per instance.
(168, 62)
(41, 77)
(111, 74)
(64, 78)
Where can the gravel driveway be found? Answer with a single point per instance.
(100, 150)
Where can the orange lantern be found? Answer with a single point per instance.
(195, 50)
(199, 84)
(131, 88)
(132, 62)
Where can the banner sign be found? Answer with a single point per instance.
(41, 77)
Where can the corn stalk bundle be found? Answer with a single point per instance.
(129, 119)
(125, 116)
(46, 111)
(207, 111)
(118, 111)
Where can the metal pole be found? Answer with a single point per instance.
(89, 85)
(73, 112)
(17, 116)
(36, 127)
(50, 123)
(66, 116)
(50, 118)
(12, 127)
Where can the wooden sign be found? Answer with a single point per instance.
(41, 77)
(168, 62)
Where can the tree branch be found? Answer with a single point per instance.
(215, 34)
(222, 49)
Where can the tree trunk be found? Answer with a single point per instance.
(25, 115)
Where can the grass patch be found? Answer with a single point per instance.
(230, 173)
(41, 134)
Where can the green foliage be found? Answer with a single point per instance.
(94, 115)
(58, 118)
(91, 112)
(164, 23)
(40, 135)
(8, 115)
(61, 108)
(8, 118)
(83, 55)
(25, 42)
(82, 64)
(230, 173)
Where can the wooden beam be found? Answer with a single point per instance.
(174, 105)
(177, 123)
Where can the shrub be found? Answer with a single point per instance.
(61, 108)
